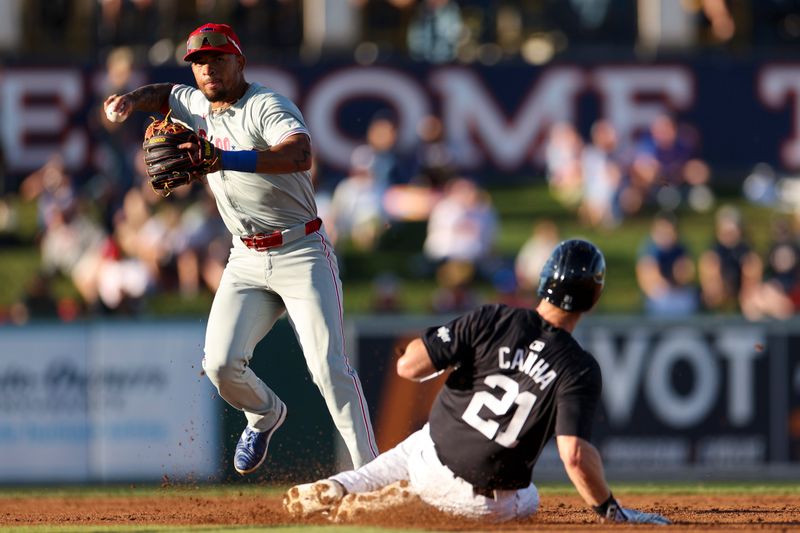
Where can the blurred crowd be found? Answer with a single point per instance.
(661, 176)
(729, 276)
(435, 31)
(604, 181)
(118, 243)
(111, 237)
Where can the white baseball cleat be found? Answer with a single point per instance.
(312, 498)
(355, 504)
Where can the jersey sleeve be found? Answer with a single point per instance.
(279, 119)
(576, 401)
(184, 101)
(454, 342)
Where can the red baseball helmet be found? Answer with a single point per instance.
(213, 38)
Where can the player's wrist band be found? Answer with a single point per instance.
(602, 509)
(241, 160)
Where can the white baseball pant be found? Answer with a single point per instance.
(415, 460)
(302, 278)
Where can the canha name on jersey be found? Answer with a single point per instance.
(528, 362)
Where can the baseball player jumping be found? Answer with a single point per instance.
(281, 259)
(518, 378)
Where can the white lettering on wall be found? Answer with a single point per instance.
(621, 373)
(677, 409)
(642, 362)
(470, 112)
(35, 106)
(736, 345)
(621, 91)
(779, 86)
(279, 80)
(402, 92)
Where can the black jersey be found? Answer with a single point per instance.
(517, 380)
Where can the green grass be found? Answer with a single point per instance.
(177, 490)
(546, 489)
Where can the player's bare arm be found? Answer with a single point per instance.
(415, 363)
(151, 98)
(584, 467)
(292, 155)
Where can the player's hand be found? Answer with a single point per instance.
(204, 152)
(622, 514)
(118, 107)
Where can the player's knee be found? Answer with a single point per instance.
(221, 373)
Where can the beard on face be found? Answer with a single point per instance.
(216, 95)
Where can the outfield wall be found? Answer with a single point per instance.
(105, 402)
(495, 117)
(704, 398)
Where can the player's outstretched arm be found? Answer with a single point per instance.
(585, 469)
(151, 98)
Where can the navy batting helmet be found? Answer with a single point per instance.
(573, 276)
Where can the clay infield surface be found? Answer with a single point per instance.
(778, 511)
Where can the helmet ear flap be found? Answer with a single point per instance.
(573, 277)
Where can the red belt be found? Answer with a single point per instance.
(264, 241)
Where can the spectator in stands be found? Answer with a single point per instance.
(7, 211)
(665, 271)
(434, 31)
(267, 27)
(36, 302)
(563, 163)
(666, 169)
(135, 23)
(462, 226)
(202, 247)
(534, 253)
(116, 144)
(729, 270)
(385, 22)
(388, 164)
(71, 245)
(601, 169)
(435, 158)
(778, 296)
(51, 187)
(454, 292)
(355, 208)
(129, 223)
(459, 242)
(386, 294)
(121, 281)
(433, 166)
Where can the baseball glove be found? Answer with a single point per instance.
(170, 165)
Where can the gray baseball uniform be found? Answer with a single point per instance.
(300, 277)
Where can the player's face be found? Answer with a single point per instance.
(218, 76)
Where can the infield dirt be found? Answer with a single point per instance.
(688, 512)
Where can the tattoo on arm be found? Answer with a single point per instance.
(301, 162)
(151, 97)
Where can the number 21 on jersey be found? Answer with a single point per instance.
(511, 396)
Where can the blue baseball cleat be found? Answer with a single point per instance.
(251, 450)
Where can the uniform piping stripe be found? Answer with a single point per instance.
(372, 446)
(290, 133)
